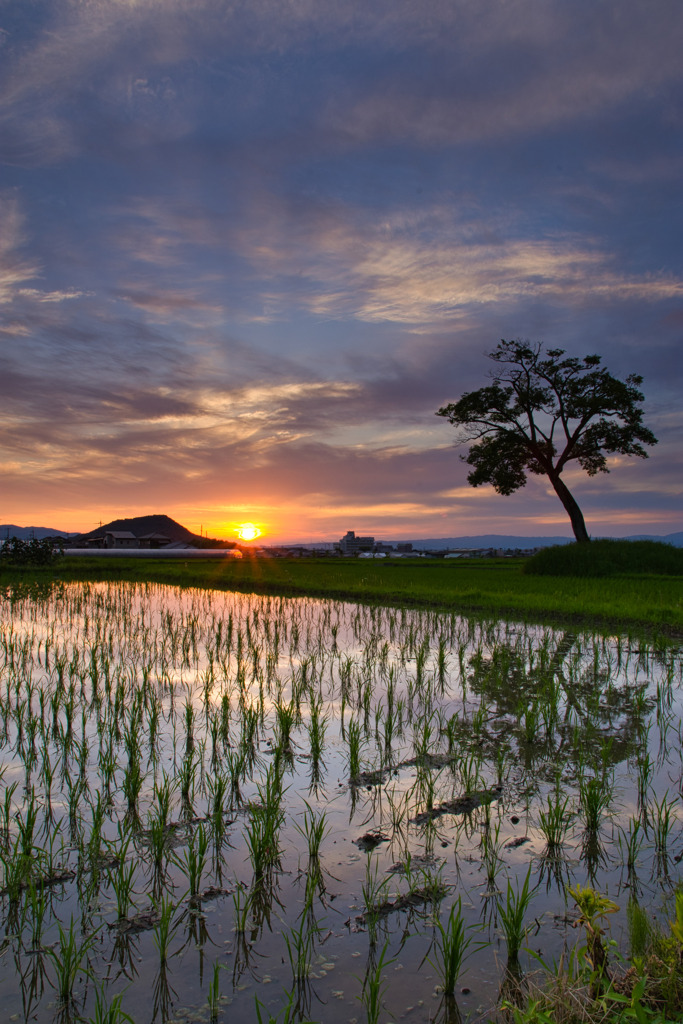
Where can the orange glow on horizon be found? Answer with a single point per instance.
(248, 531)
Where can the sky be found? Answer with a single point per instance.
(248, 249)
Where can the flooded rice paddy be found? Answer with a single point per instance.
(231, 808)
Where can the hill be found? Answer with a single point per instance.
(140, 526)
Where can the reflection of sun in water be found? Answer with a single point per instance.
(247, 531)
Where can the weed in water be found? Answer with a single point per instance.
(639, 928)
(594, 907)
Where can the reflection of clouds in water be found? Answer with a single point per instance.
(438, 699)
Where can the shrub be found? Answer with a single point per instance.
(607, 558)
(16, 551)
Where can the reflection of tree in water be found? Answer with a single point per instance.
(558, 704)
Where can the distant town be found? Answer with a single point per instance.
(160, 534)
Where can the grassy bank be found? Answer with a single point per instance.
(492, 586)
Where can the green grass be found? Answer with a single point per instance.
(602, 558)
(495, 586)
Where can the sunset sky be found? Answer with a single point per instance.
(247, 249)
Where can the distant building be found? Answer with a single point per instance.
(154, 540)
(352, 545)
(120, 539)
(404, 548)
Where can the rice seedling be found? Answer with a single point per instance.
(313, 830)
(451, 946)
(218, 788)
(316, 731)
(262, 832)
(17, 868)
(164, 928)
(469, 771)
(187, 776)
(193, 862)
(512, 913)
(37, 900)
(554, 821)
(69, 960)
(214, 994)
(117, 701)
(109, 1011)
(122, 879)
(242, 903)
(663, 818)
(375, 985)
(285, 719)
(491, 855)
(354, 740)
(375, 894)
(300, 944)
(290, 1012)
(595, 797)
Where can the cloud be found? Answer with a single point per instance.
(428, 268)
(14, 268)
(261, 242)
(34, 293)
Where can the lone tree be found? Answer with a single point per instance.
(540, 413)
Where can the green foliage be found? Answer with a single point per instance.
(539, 414)
(607, 558)
(580, 990)
(18, 552)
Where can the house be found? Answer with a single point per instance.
(120, 539)
(154, 540)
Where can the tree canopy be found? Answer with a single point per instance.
(542, 411)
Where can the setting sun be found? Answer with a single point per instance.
(247, 531)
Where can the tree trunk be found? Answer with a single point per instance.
(572, 509)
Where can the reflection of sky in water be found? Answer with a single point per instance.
(474, 704)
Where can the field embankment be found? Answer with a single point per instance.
(498, 587)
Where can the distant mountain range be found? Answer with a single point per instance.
(497, 540)
(7, 530)
(141, 525)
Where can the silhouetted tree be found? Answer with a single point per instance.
(543, 411)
